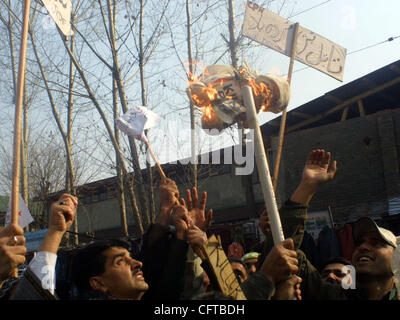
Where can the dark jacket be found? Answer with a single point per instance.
(163, 257)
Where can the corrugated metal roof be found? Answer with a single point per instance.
(378, 90)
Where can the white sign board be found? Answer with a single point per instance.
(277, 33)
(60, 11)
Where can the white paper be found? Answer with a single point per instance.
(136, 120)
(24, 216)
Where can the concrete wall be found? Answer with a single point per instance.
(367, 152)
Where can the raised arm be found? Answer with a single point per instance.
(61, 218)
(317, 170)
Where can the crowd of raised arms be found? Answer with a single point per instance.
(171, 265)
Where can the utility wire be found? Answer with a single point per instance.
(358, 50)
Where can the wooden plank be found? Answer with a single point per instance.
(301, 115)
(332, 98)
(344, 104)
(222, 269)
(344, 114)
(361, 108)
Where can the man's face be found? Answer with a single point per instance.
(333, 273)
(122, 277)
(373, 256)
(263, 223)
(239, 270)
(251, 265)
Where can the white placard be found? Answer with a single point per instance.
(24, 216)
(275, 32)
(60, 11)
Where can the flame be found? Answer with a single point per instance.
(261, 90)
(205, 97)
(192, 77)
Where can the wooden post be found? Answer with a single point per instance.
(18, 116)
(361, 108)
(283, 119)
(153, 156)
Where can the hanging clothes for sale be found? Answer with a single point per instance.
(345, 237)
(328, 245)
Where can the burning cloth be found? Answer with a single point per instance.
(217, 92)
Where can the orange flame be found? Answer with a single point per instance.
(261, 90)
(206, 96)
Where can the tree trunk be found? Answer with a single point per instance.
(246, 180)
(121, 185)
(109, 131)
(144, 103)
(192, 107)
(121, 90)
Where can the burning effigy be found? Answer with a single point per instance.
(217, 93)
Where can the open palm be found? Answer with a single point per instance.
(197, 210)
(318, 168)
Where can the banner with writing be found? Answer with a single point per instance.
(277, 33)
(60, 11)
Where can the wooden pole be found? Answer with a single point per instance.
(283, 119)
(18, 116)
(262, 166)
(153, 155)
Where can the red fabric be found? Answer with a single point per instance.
(235, 250)
(345, 237)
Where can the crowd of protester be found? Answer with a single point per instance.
(171, 264)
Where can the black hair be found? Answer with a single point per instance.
(90, 261)
(340, 260)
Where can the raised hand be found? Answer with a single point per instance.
(181, 221)
(61, 218)
(196, 238)
(318, 168)
(169, 197)
(197, 211)
(63, 213)
(12, 250)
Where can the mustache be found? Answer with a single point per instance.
(135, 271)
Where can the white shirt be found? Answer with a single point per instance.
(43, 265)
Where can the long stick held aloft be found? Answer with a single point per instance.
(262, 166)
(284, 112)
(18, 118)
(153, 155)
